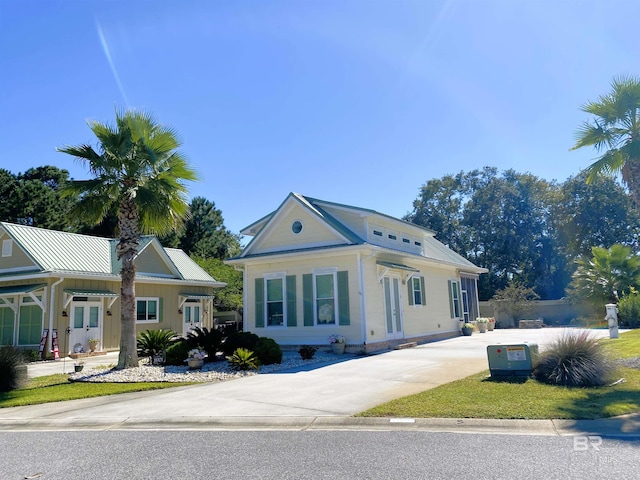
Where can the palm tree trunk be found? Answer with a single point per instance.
(127, 249)
(631, 175)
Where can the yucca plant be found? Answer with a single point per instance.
(574, 360)
(13, 370)
(243, 359)
(153, 342)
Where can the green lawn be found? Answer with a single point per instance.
(480, 396)
(57, 388)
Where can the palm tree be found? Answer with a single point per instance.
(616, 130)
(138, 172)
(607, 276)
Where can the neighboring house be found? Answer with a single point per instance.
(316, 268)
(71, 283)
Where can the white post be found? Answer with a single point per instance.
(612, 319)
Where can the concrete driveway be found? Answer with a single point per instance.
(335, 390)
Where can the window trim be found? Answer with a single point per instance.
(418, 291)
(283, 278)
(455, 300)
(333, 271)
(147, 300)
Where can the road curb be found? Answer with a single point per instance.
(619, 427)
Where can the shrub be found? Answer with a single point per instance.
(574, 360)
(153, 342)
(177, 353)
(307, 352)
(239, 340)
(208, 340)
(13, 370)
(243, 359)
(629, 309)
(268, 351)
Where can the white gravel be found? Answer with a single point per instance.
(210, 372)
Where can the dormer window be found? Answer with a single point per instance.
(7, 247)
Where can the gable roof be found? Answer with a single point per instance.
(57, 252)
(329, 213)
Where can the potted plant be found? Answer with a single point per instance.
(195, 358)
(492, 324)
(482, 322)
(338, 342)
(93, 344)
(467, 329)
(78, 366)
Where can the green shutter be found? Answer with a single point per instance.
(292, 319)
(307, 297)
(410, 289)
(160, 310)
(259, 303)
(450, 299)
(343, 297)
(422, 290)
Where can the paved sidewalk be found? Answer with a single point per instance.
(317, 396)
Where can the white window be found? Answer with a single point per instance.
(147, 310)
(416, 284)
(324, 294)
(454, 298)
(275, 301)
(7, 247)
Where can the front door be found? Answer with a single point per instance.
(392, 307)
(192, 316)
(85, 324)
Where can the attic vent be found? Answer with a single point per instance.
(7, 247)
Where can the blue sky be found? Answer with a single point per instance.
(352, 101)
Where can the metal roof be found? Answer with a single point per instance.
(189, 269)
(64, 252)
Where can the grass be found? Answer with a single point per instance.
(480, 396)
(58, 388)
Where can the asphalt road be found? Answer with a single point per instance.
(277, 455)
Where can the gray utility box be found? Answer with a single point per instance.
(512, 360)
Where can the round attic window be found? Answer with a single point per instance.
(296, 227)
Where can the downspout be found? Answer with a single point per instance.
(51, 314)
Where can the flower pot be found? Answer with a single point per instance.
(93, 346)
(491, 326)
(338, 348)
(195, 363)
(482, 327)
(78, 368)
(467, 332)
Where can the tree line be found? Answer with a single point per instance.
(526, 230)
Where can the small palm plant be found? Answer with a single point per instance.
(243, 359)
(153, 342)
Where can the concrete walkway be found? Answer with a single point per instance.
(317, 396)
